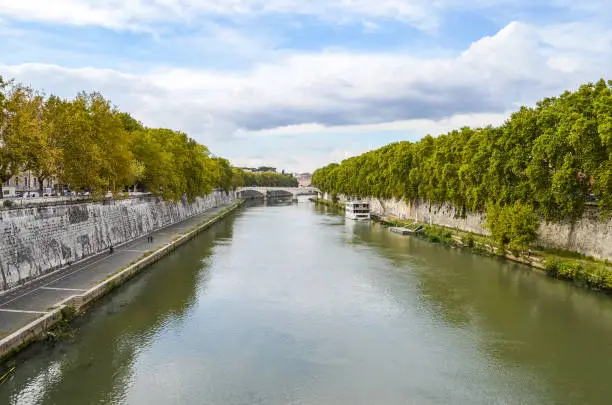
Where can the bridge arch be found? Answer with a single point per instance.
(280, 194)
(274, 192)
(251, 194)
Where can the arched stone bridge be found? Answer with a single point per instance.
(274, 192)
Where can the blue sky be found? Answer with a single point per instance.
(298, 84)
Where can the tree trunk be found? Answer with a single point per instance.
(3, 180)
(40, 185)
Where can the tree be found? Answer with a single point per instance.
(130, 124)
(15, 122)
(224, 174)
(87, 143)
(41, 149)
(161, 175)
(95, 152)
(237, 178)
(515, 225)
(268, 179)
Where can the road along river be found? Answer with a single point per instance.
(291, 304)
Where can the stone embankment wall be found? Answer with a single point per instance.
(34, 241)
(589, 235)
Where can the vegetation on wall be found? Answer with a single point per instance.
(515, 225)
(550, 160)
(88, 144)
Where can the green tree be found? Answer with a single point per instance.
(161, 174)
(86, 143)
(554, 157)
(515, 225)
(15, 125)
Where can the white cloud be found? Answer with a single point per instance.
(142, 14)
(147, 15)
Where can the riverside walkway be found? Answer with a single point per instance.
(23, 304)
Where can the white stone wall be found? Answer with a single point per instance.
(36, 240)
(589, 235)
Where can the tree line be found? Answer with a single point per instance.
(88, 144)
(551, 160)
(268, 179)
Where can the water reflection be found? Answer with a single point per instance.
(558, 333)
(101, 355)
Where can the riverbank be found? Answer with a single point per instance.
(584, 271)
(102, 276)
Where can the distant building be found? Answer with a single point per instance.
(260, 169)
(304, 179)
(26, 181)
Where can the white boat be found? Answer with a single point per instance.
(358, 210)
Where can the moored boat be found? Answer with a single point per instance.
(357, 210)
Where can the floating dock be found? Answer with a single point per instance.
(405, 231)
(401, 231)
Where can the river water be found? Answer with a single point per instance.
(292, 304)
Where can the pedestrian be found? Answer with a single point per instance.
(112, 249)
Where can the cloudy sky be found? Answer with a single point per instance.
(300, 83)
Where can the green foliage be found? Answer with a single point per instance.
(552, 267)
(437, 234)
(87, 144)
(514, 225)
(569, 270)
(68, 313)
(553, 157)
(16, 122)
(268, 179)
(596, 276)
(468, 240)
(237, 178)
(225, 175)
(130, 123)
(600, 278)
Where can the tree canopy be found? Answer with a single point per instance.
(86, 143)
(555, 157)
(268, 179)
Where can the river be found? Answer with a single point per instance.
(291, 304)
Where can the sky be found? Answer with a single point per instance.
(297, 84)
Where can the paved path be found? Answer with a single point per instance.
(23, 304)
